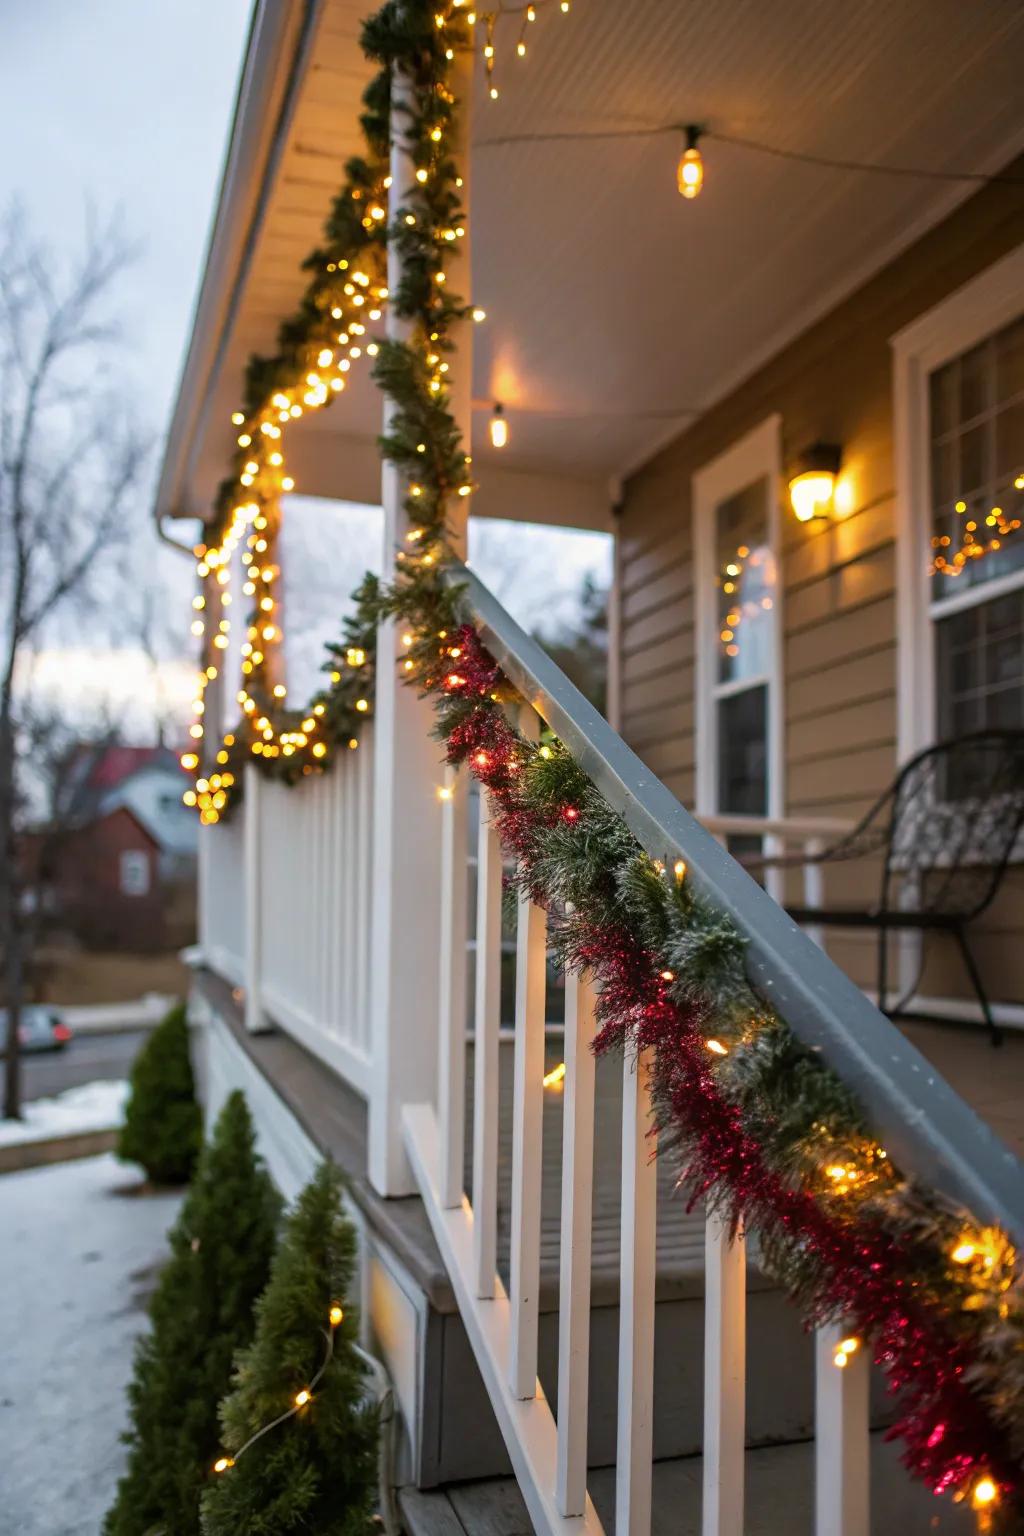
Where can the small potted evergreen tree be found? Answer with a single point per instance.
(302, 1382)
(163, 1126)
(202, 1311)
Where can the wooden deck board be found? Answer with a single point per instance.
(780, 1499)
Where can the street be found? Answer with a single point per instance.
(86, 1058)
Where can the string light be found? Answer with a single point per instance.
(974, 543)
(491, 20)
(555, 1077)
(690, 170)
(844, 1349)
(499, 426)
(301, 1399)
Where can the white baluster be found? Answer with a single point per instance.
(486, 1051)
(814, 888)
(576, 1234)
(636, 1306)
(842, 1447)
(725, 1327)
(361, 781)
(255, 1019)
(527, 1130)
(451, 1091)
(350, 835)
(774, 878)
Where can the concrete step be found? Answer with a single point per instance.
(779, 1500)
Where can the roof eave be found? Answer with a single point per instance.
(276, 57)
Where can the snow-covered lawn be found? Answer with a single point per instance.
(79, 1256)
(95, 1106)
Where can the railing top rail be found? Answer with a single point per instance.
(796, 828)
(928, 1129)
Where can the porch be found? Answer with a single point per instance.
(516, 1234)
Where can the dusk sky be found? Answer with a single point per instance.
(125, 105)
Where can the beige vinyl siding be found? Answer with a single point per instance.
(840, 610)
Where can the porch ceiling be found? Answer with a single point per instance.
(614, 307)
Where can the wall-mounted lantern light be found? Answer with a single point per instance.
(813, 482)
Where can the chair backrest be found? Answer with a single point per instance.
(957, 812)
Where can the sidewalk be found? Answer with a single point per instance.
(82, 1253)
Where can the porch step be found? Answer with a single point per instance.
(779, 1500)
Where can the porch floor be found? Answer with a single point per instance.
(779, 1499)
(990, 1079)
(680, 1267)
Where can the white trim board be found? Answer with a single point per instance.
(755, 455)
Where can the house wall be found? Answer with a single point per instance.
(87, 878)
(840, 604)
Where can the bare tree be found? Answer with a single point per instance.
(70, 468)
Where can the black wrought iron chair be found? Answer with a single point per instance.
(947, 829)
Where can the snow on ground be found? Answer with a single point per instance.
(95, 1106)
(80, 1253)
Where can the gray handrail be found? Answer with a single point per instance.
(926, 1127)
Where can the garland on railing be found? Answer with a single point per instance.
(762, 1130)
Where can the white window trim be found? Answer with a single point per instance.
(757, 455)
(988, 302)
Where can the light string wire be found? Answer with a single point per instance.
(756, 146)
(301, 1400)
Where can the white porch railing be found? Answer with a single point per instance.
(927, 1127)
(549, 1448)
(786, 835)
(285, 904)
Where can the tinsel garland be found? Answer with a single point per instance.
(760, 1128)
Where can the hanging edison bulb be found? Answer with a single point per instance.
(690, 170)
(499, 427)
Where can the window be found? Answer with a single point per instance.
(134, 872)
(959, 385)
(739, 684)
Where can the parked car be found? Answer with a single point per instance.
(41, 1029)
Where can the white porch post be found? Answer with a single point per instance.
(252, 865)
(406, 931)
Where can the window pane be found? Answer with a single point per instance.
(1010, 361)
(979, 655)
(746, 583)
(943, 398)
(975, 374)
(743, 752)
(976, 428)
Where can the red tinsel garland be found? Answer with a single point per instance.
(866, 1276)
